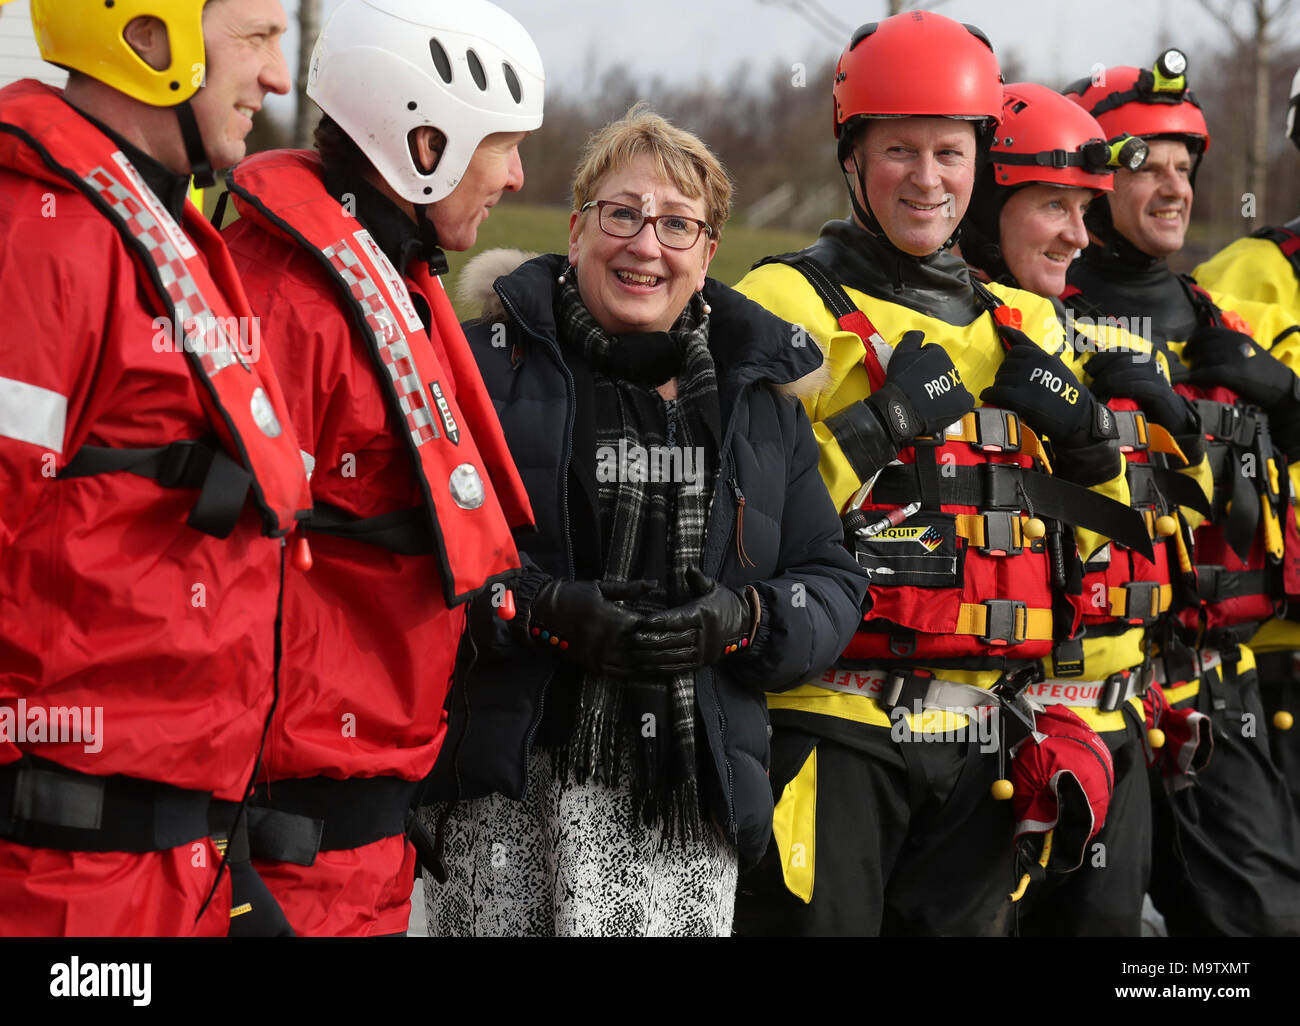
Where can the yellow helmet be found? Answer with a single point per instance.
(87, 36)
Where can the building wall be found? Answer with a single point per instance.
(19, 57)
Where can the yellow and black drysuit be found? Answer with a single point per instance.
(1265, 268)
(1226, 855)
(1125, 596)
(885, 821)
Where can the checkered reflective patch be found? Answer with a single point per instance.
(189, 308)
(388, 338)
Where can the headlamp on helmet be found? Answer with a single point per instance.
(1126, 151)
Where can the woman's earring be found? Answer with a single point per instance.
(564, 275)
(707, 309)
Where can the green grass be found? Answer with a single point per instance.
(546, 230)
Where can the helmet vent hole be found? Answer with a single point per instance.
(512, 83)
(428, 189)
(440, 60)
(109, 3)
(411, 105)
(175, 87)
(1018, 106)
(476, 70)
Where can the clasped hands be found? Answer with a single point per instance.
(584, 622)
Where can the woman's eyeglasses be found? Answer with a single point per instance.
(623, 222)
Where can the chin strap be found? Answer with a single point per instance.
(430, 249)
(200, 165)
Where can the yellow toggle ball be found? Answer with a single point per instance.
(1283, 720)
(1166, 526)
(1034, 529)
(1002, 790)
(1156, 737)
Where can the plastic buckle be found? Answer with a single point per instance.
(991, 434)
(1244, 427)
(184, 465)
(1000, 627)
(903, 645)
(1133, 436)
(1219, 420)
(1144, 595)
(999, 534)
(1113, 692)
(1142, 486)
(1209, 582)
(1001, 486)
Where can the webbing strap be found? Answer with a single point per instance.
(302, 817)
(993, 429)
(847, 314)
(1140, 601)
(46, 805)
(974, 528)
(1004, 622)
(223, 484)
(404, 531)
(1003, 486)
(1216, 583)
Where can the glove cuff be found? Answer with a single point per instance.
(1089, 465)
(863, 438)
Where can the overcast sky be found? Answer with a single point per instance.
(1057, 40)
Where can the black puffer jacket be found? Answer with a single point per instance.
(811, 589)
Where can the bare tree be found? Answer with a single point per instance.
(1265, 20)
(304, 122)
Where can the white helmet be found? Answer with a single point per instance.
(382, 68)
(1293, 122)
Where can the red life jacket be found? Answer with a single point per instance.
(471, 491)
(1238, 555)
(1239, 548)
(200, 296)
(959, 583)
(1123, 589)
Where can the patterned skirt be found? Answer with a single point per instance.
(574, 860)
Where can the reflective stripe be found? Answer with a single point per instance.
(33, 414)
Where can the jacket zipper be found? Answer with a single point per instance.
(564, 500)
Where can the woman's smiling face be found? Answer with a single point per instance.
(637, 284)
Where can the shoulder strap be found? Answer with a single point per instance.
(846, 313)
(1287, 239)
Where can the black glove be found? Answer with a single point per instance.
(1046, 395)
(1136, 376)
(717, 623)
(1220, 356)
(578, 620)
(922, 395)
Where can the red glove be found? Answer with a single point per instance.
(1187, 742)
(1063, 778)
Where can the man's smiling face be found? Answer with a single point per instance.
(1151, 207)
(919, 172)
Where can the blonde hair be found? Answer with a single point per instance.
(679, 157)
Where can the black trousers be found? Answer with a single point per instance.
(1227, 850)
(1279, 689)
(909, 841)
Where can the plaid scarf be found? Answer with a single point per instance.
(653, 511)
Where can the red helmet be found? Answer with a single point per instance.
(1145, 102)
(1046, 139)
(917, 63)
